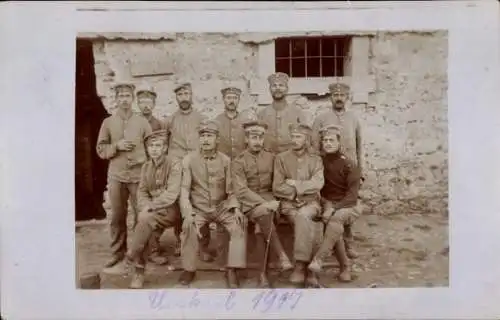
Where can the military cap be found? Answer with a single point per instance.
(158, 134)
(145, 89)
(255, 127)
(182, 85)
(208, 126)
(124, 84)
(229, 90)
(278, 77)
(329, 129)
(338, 87)
(300, 128)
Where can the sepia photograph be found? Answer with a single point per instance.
(315, 159)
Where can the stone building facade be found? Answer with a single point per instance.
(399, 91)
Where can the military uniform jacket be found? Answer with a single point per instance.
(231, 135)
(183, 128)
(277, 137)
(160, 183)
(206, 183)
(306, 169)
(124, 166)
(253, 178)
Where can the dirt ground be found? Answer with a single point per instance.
(395, 251)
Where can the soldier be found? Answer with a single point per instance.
(157, 196)
(146, 100)
(182, 126)
(279, 115)
(351, 138)
(121, 141)
(232, 135)
(207, 196)
(298, 179)
(340, 198)
(253, 177)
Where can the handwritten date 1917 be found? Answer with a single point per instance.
(262, 302)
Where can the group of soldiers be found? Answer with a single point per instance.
(189, 171)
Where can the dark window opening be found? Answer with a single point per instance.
(312, 57)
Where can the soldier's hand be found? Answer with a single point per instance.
(125, 145)
(290, 182)
(240, 218)
(273, 205)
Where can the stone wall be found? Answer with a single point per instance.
(404, 123)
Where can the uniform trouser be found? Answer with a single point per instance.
(119, 193)
(335, 229)
(263, 218)
(307, 233)
(148, 224)
(190, 242)
(154, 241)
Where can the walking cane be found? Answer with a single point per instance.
(268, 240)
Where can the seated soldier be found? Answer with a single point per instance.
(207, 196)
(252, 178)
(298, 179)
(157, 194)
(340, 200)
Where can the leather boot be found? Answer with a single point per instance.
(298, 274)
(232, 280)
(137, 280)
(263, 281)
(187, 277)
(312, 280)
(345, 274)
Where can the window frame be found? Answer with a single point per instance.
(344, 41)
(361, 82)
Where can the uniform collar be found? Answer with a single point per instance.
(333, 156)
(120, 113)
(300, 153)
(280, 106)
(208, 156)
(232, 117)
(186, 112)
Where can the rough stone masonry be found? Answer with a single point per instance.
(404, 120)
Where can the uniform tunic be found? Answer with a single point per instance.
(300, 203)
(207, 192)
(277, 137)
(158, 191)
(183, 128)
(350, 134)
(231, 133)
(253, 178)
(124, 166)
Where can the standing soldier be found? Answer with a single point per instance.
(158, 191)
(279, 115)
(340, 200)
(182, 126)
(232, 135)
(121, 141)
(253, 178)
(207, 196)
(298, 179)
(351, 138)
(146, 101)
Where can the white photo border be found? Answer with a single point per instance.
(37, 196)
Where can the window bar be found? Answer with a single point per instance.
(320, 58)
(290, 57)
(305, 57)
